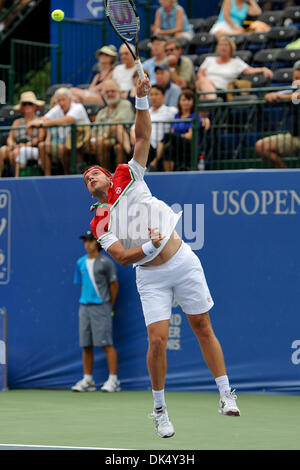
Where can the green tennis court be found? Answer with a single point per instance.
(120, 421)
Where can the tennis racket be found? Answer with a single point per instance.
(124, 19)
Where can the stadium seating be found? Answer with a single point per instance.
(280, 36)
(272, 18)
(198, 24)
(266, 58)
(282, 76)
(202, 43)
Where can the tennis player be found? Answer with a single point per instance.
(136, 228)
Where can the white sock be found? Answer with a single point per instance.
(223, 384)
(159, 398)
(113, 377)
(88, 377)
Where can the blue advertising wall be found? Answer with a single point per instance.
(250, 254)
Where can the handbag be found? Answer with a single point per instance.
(238, 84)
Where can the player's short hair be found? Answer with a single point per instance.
(158, 87)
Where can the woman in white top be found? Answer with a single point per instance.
(217, 71)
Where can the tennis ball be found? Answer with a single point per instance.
(57, 15)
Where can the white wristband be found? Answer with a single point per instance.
(141, 103)
(148, 248)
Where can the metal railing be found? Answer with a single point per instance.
(237, 126)
(231, 142)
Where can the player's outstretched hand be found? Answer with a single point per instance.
(143, 87)
(156, 237)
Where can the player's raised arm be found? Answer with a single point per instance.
(143, 125)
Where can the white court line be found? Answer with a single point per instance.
(58, 447)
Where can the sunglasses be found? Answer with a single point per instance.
(171, 49)
(27, 103)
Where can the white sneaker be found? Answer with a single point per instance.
(163, 425)
(227, 404)
(84, 386)
(111, 385)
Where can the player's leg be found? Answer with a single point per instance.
(214, 358)
(157, 366)
(158, 333)
(210, 346)
(192, 293)
(156, 297)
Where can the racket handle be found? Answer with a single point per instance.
(140, 69)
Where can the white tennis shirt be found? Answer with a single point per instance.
(131, 209)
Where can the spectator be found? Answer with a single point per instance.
(232, 15)
(107, 57)
(172, 91)
(216, 72)
(176, 146)
(110, 136)
(158, 56)
(171, 20)
(123, 73)
(160, 116)
(275, 147)
(65, 113)
(22, 142)
(96, 274)
(181, 67)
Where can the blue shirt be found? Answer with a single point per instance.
(237, 15)
(82, 277)
(183, 127)
(169, 21)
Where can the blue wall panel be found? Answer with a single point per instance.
(250, 256)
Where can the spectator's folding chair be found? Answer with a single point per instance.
(198, 24)
(202, 43)
(280, 36)
(267, 58)
(272, 18)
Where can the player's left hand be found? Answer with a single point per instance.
(156, 237)
(143, 87)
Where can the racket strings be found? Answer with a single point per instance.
(123, 17)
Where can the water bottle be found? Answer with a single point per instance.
(201, 163)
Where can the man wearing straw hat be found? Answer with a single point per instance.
(22, 142)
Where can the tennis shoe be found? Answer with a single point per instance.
(164, 427)
(111, 385)
(227, 404)
(84, 385)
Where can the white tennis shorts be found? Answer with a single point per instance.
(179, 281)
